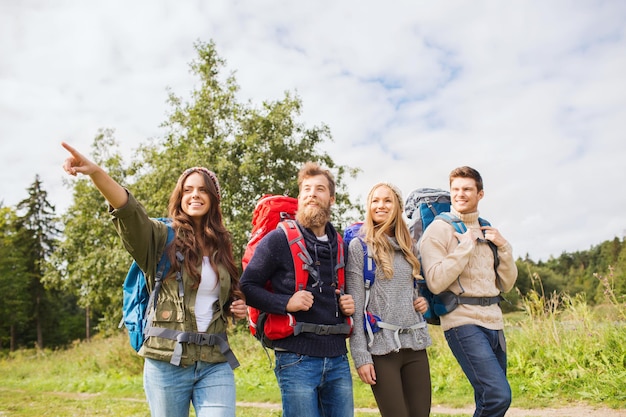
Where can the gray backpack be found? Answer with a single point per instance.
(422, 206)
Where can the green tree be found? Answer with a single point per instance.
(38, 230)
(90, 263)
(13, 280)
(253, 151)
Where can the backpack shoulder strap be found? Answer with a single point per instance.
(460, 227)
(302, 260)
(340, 266)
(164, 262)
(163, 265)
(453, 221)
(340, 273)
(354, 232)
(494, 249)
(369, 266)
(369, 276)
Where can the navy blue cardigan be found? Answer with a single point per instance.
(272, 261)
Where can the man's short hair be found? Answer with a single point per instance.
(312, 169)
(467, 172)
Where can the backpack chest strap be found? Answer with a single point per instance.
(322, 329)
(400, 329)
(207, 339)
(397, 330)
(479, 301)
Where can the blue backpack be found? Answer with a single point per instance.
(137, 298)
(422, 207)
(371, 322)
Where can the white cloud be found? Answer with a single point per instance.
(531, 93)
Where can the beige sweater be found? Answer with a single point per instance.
(444, 260)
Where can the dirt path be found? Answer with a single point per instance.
(571, 411)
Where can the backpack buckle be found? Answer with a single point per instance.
(323, 330)
(484, 301)
(192, 338)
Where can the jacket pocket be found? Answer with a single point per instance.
(169, 312)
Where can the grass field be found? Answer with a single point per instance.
(570, 355)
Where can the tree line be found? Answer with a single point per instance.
(61, 275)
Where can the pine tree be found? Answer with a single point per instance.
(38, 233)
(13, 280)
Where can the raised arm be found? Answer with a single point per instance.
(114, 193)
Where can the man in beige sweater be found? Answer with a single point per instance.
(466, 264)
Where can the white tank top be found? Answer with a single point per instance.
(208, 294)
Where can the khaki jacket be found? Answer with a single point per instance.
(145, 239)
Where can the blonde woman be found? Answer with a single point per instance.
(392, 360)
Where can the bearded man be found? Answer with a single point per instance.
(312, 367)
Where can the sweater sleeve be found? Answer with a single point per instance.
(507, 269)
(356, 288)
(268, 265)
(443, 258)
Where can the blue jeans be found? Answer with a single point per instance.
(170, 389)
(314, 387)
(482, 355)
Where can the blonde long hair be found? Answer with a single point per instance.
(376, 235)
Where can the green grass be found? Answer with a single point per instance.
(557, 356)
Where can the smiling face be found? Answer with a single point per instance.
(195, 201)
(382, 204)
(464, 195)
(314, 202)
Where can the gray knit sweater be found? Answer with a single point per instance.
(390, 299)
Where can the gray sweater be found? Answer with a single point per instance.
(390, 299)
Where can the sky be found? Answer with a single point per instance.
(531, 93)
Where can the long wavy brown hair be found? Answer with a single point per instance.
(395, 226)
(213, 235)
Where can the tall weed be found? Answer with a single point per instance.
(565, 350)
(608, 283)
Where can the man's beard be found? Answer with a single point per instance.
(313, 216)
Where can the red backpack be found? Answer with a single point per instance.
(271, 212)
